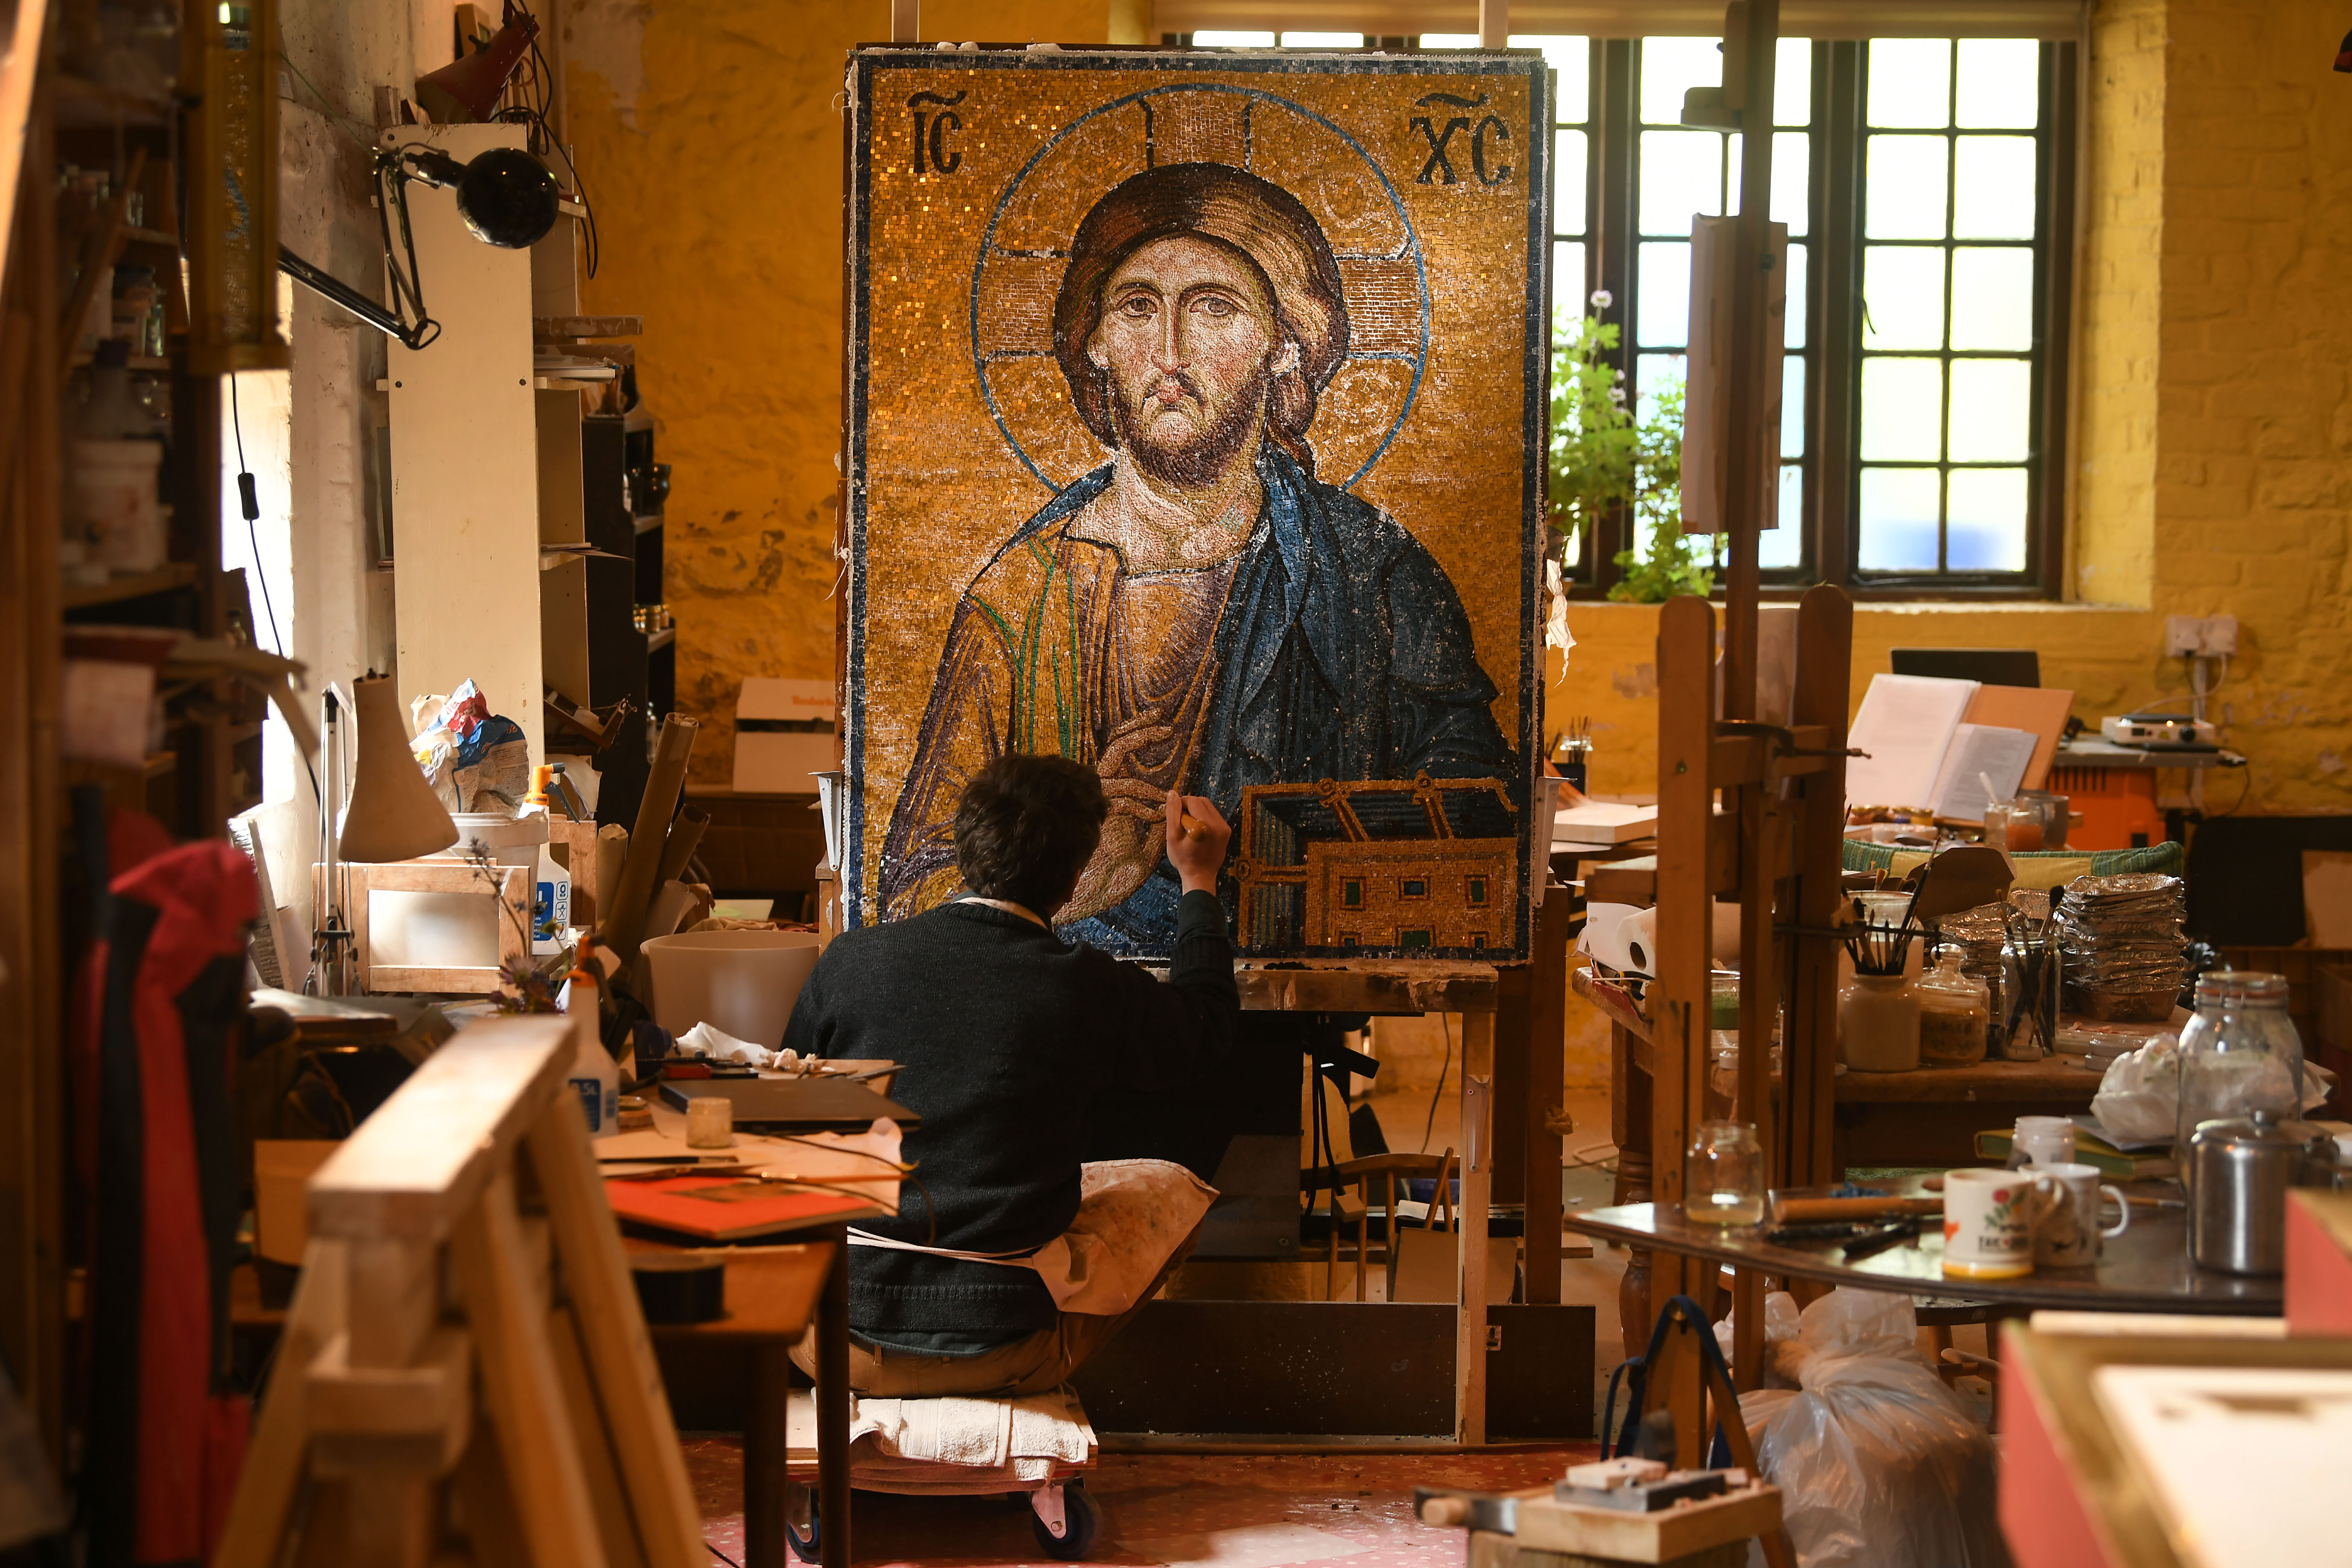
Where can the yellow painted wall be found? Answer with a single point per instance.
(2213, 454)
(707, 137)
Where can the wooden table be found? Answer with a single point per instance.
(1930, 1116)
(773, 1295)
(2146, 1270)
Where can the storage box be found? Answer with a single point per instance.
(784, 731)
(281, 1207)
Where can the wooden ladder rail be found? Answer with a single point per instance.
(445, 1345)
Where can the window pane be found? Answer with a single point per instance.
(1319, 40)
(1793, 408)
(1999, 85)
(1991, 401)
(1791, 172)
(1988, 523)
(1682, 173)
(1670, 66)
(1785, 546)
(1903, 192)
(1568, 288)
(1902, 297)
(1794, 338)
(1902, 410)
(1651, 374)
(1994, 197)
(1992, 298)
(1897, 525)
(1910, 81)
(1231, 40)
(1662, 295)
(1568, 182)
(1572, 58)
(1792, 82)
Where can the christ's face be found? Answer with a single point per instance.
(1189, 339)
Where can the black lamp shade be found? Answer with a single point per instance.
(508, 198)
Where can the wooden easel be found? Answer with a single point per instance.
(1774, 843)
(465, 1374)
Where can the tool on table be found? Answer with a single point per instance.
(1788, 1208)
(1872, 1244)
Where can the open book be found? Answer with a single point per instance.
(1931, 739)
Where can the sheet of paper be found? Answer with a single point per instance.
(1905, 723)
(2039, 708)
(1979, 751)
(2208, 1440)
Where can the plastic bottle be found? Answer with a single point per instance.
(551, 909)
(595, 1077)
(1955, 1012)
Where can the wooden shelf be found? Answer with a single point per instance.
(137, 361)
(646, 525)
(178, 575)
(656, 641)
(84, 105)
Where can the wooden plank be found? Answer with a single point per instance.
(519, 1382)
(1824, 651)
(274, 1454)
(1400, 986)
(617, 1526)
(1477, 1183)
(426, 1154)
(1678, 1001)
(613, 1328)
(1547, 1065)
(1624, 1536)
(2054, 1080)
(555, 327)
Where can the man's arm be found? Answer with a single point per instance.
(1188, 1024)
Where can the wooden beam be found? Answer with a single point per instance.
(1678, 999)
(1477, 1183)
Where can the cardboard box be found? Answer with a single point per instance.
(784, 732)
(281, 1205)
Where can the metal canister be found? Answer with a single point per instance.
(2238, 1170)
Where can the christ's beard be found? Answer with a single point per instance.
(1200, 456)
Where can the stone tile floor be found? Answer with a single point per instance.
(1264, 1510)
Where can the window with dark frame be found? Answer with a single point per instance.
(1928, 188)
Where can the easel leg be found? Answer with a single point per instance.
(833, 1407)
(1477, 1183)
(274, 1457)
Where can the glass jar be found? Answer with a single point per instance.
(2014, 826)
(1723, 1177)
(1878, 1024)
(2240, 1054)
(1954, 1013)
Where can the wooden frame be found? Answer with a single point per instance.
(544, 1416)
(512, 891)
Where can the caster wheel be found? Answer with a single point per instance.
(809, 1548)
(1082, 1521)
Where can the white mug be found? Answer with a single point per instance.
(1988, 1223)
(2042, 1141)
(2066, 1232)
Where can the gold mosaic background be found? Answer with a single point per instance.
(944, 488)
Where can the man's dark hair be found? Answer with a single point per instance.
(1025, 826)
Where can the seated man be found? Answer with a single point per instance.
(1005, 1034)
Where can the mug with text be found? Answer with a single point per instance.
(1988, 1223)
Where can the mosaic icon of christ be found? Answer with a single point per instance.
(1201, 612)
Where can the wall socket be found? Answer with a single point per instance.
(2188, 636)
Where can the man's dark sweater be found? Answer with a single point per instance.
(1005, 1034)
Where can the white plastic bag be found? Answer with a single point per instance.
(2138, 1102)
(1879, 1465)
(1780, 1322)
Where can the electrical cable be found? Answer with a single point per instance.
(1444, 1022)
(248, 498)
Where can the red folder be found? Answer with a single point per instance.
(732, 1208)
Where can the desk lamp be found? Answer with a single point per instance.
(392, 814)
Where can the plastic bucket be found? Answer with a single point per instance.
(741, 982)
